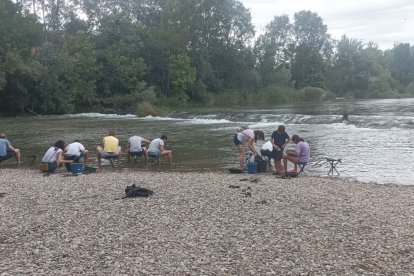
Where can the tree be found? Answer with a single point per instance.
(350, 68)
(400, 60)
(273, 51)
(81, 74)
(312, 52)
(183, 76)
(20, 35)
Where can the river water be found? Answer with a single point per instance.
(377, 144)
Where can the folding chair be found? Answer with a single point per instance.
(333, 163)
(111, 159)
(302, 168)
(154, 157)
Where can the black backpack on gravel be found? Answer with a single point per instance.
(134, 191)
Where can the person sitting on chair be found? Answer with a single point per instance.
(135, 147)
(109, 148)
(300, 155)
(75, 151)
(7, 151)
(156, 149)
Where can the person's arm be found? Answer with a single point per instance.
(82, 148)
(145, 142)
(162, 148)
(287, 140)
(295, 152)
(60, 160)
(274, 145)
(251, 147)
(11, 148)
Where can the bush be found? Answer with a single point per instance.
(274, 95)
(145, 108)
(313, 94)
(229, 97)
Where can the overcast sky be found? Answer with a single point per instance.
(381, 21)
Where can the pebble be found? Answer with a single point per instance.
(202, 224)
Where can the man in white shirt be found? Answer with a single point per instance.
(75, 151)
(137, 147)
(156, 149)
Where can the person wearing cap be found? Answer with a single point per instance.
(7, 151)
(75, 151)
(109, 148)
(156, 149)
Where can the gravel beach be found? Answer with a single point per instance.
(203, 224)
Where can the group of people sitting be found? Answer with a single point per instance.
(110, 149)
(60, 154)
(275, 148)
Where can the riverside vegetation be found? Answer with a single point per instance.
(148, 56)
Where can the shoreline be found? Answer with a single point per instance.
(149, 168)
(205, 223)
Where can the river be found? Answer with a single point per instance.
(376, 144)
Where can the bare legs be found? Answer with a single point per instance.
(85, 157)
(99, 151)
(17, 152)
(241, 155)
(168, 156)
(293, 159)
(278, 166)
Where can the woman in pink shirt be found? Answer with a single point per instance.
(246, 135)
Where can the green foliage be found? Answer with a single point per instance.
(409, 91)
(313, 94)
(275, 95)
(183, 76)
(145, 108)
(138, 56)
(200, 95)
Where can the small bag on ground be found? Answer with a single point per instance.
(44, 167)
(134, 191)
(261, 164)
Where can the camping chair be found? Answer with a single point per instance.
(111, 159)
(154, 157)
(333, 162)
(302, 167)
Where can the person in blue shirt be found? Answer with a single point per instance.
(7, 151)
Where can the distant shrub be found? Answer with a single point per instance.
(313, 94)
(145, 108)
(230, 97)
(410, 89)
(199, 94)
(273, 95)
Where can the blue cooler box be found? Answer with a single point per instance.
(251, 167)
(76, 168)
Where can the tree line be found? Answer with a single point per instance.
(142, 56)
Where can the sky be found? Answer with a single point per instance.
(380, 21)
